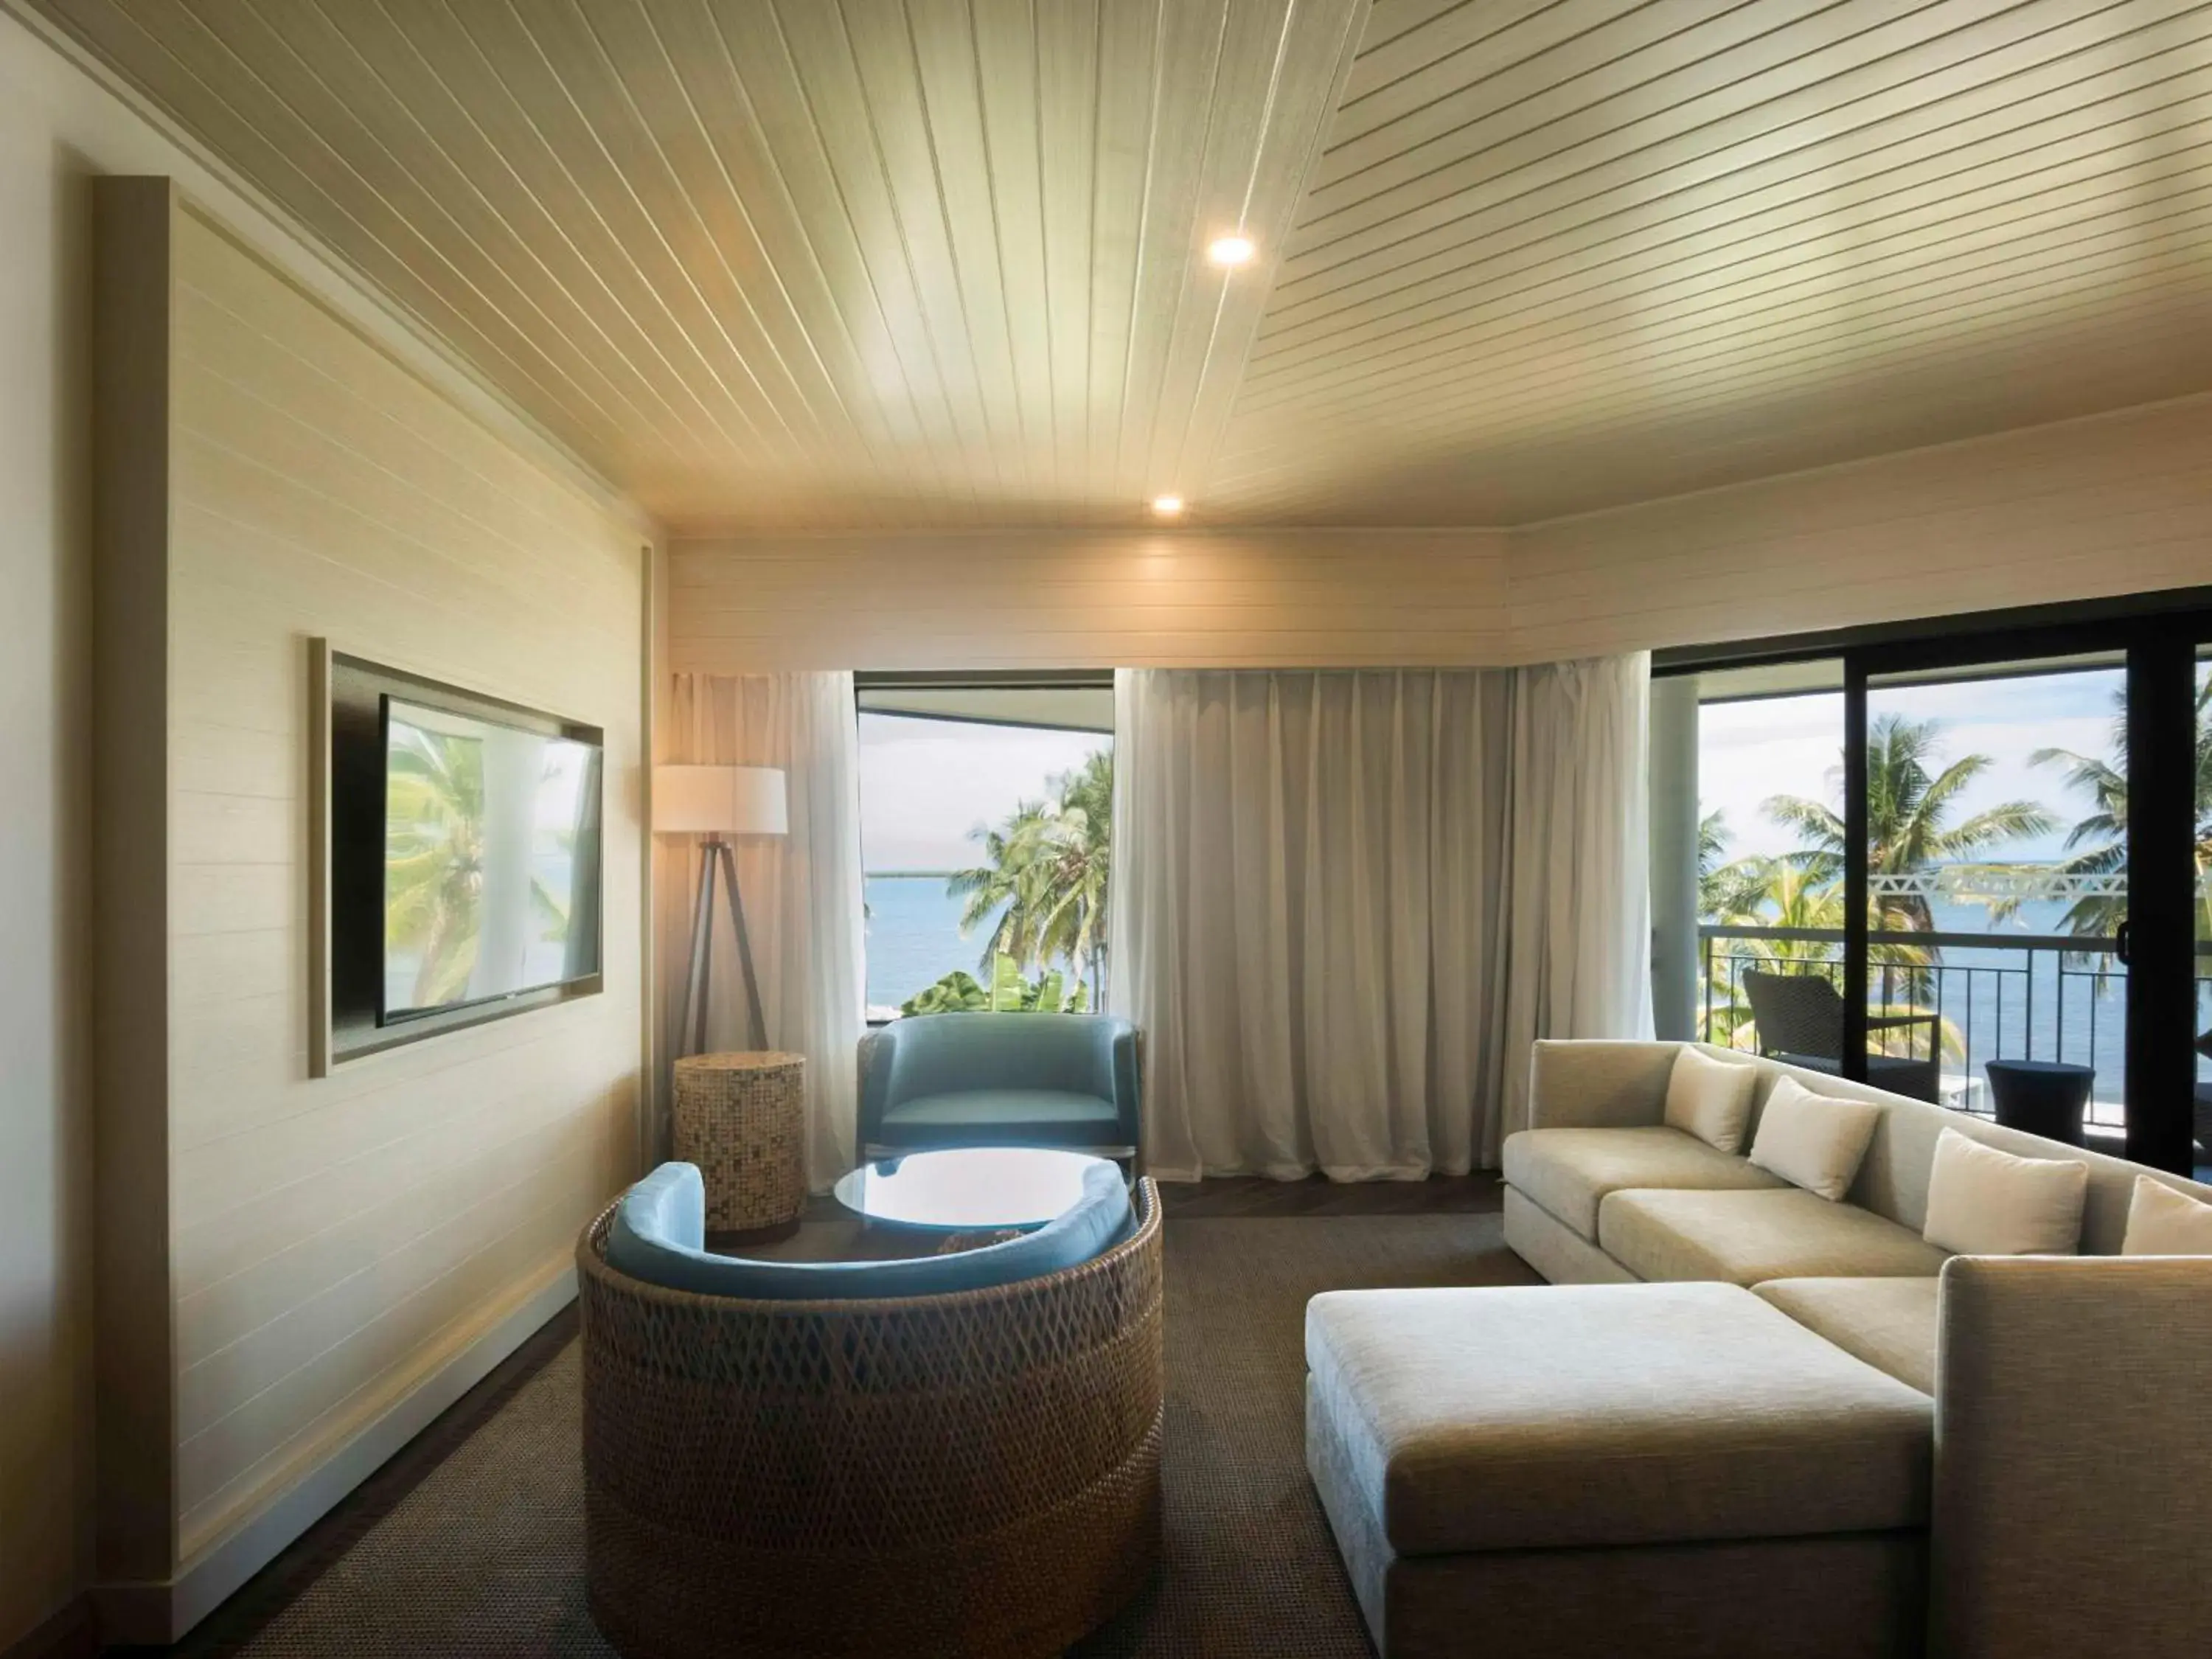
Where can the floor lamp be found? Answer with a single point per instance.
(718, 802)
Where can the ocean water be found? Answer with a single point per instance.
(2054, 1011)
(2020, 1004)
(1999, 1002)
(913, 937)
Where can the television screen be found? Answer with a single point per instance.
(491, 860)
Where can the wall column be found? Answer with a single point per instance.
(1674, 856)
(134, 1295)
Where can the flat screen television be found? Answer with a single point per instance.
(464, 858)
(490, 854)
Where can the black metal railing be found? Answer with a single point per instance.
(2008, 996)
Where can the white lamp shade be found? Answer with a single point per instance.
(718, 800)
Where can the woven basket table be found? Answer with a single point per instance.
(742, 1119)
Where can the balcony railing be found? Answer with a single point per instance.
(1994, 996)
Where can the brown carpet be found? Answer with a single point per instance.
(483, 1555)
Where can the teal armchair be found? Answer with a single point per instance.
(935, 1080)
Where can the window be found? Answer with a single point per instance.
(986, 807)
(1769, 767)
(1996, 900)
(1996, 879)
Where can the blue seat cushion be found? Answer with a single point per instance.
(982, 1079)
(1006, 1116)
(658, 1233)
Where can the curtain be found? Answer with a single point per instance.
(1327, 886)
(802, 890)
(1580, 868)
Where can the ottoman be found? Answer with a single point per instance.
(1653, 1469)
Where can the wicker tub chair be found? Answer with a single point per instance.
(973, 1473)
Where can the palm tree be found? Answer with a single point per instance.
(434, 878)
(1908, 805)
(2103, 834)
(1742, 891)
(1730, 891)
(1074, 895)
(1044, 875)
(1791, 898)
(1781, 894)
(433, 856)
(1008, 852)
(1800, 900)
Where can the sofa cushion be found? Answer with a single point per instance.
(1888, 1322)
(1710, 1098)
(1741, 1238)
(2164, 1222)
(1812, 1141)
(1008, 1117)
(1986, 1202)
(1569, 1171)
(1550, 1416)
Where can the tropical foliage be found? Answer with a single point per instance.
(1911, 796)
(960, 993)
(434, 857)
(1043, 878)
(434, 879)
(2098, 843)
(1760, 892)
(1779, 893)
(1733, 890)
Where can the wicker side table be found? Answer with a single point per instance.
(742, 1119)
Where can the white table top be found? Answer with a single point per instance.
(969, 1188)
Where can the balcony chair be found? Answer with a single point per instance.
(975, 1079)
(1799, 1019)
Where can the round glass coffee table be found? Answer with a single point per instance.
(969, 1188)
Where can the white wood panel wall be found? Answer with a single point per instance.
(334, 1242)
(2113, 504)
(2079, 509)
(1315, 599)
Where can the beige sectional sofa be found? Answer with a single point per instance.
(1746, 1419)
(1599, 1190)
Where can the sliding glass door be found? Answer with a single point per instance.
(1995, 871)
(2021, 913)
(1997, 901)
(2161, 795)
(2200, 908)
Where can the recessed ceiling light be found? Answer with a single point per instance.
(1229, 250)
(1167, 506)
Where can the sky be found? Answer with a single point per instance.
(926, 784)
(1748, 751)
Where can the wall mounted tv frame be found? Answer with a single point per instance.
(458, 867)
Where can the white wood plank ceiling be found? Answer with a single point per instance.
(809, 266)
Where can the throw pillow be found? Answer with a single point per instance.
(1710, 1098)
(1813, 1141)
(2162, 1222)
(1982, 1201)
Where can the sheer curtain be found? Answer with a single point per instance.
(1329, 888)
(1580, 870)
(802, 890)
